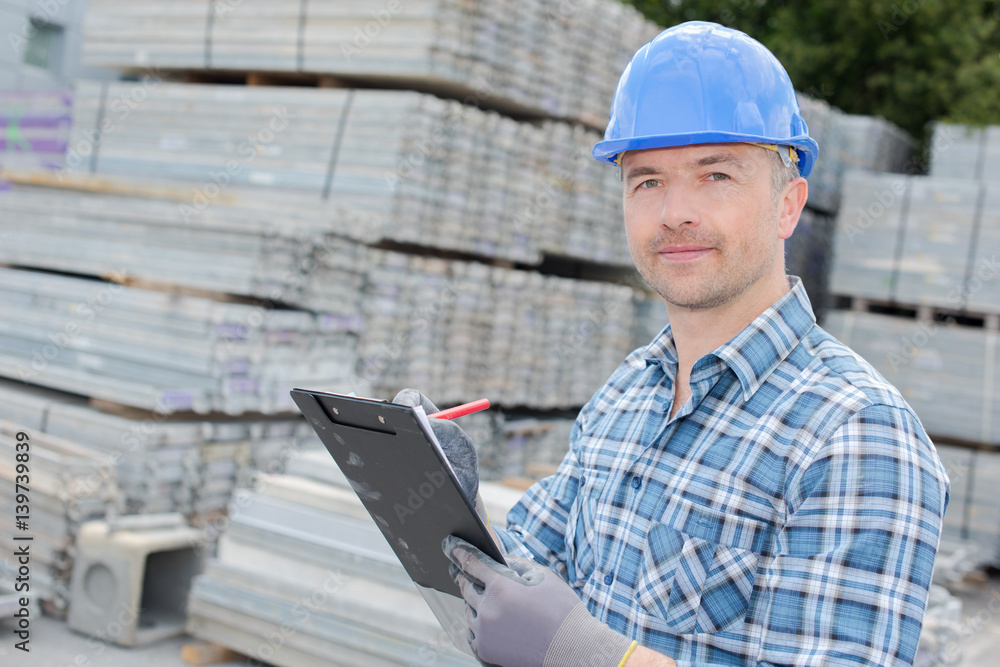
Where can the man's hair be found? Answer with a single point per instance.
(781, 175)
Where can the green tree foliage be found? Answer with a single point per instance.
(910, 61)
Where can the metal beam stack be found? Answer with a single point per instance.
(303, 577)
(413, 168)
(64, 485)
(160, 351)
(458, 329)
(160, 463)
(560, 58)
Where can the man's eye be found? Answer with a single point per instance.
(717, 176)
(651, 183)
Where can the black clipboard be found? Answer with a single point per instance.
(394, 463)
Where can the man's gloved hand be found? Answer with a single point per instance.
(526, 615)
(456, 444)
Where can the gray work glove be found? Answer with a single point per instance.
(457, 446)
(526, 615)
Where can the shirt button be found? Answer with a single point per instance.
(636, 483)
(608, 579)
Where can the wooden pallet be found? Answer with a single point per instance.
(920, 313)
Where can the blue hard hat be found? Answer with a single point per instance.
(703, 83)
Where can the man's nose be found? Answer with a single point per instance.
(677, 207)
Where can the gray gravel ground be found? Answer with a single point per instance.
(53, 644)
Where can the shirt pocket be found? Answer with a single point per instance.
(698, 568)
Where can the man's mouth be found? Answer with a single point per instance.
(681, 253)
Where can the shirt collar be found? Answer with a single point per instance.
(755, 352)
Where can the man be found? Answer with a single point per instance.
(744, 490)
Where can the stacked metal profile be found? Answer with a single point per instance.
(55, 487)
(161, 351)
(577, 211)
(546, 56)
(303, 577)
(34, 128)
(412, 168)
(457, 329)
(161, 463)
(227, 249)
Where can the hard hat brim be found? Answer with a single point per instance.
(609, 150)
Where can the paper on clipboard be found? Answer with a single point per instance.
(449, 610)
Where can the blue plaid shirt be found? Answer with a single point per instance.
(788, 514)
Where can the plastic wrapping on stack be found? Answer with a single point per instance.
(302, 561)
(67, 484)
(824, 127)
(166, 352)
(161, 463)
(34, 128)
(459, 330)
(545, 57)
(947, 373)
(966, 152)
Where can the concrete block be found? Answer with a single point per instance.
(131, 578)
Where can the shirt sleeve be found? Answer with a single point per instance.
(849, 580)
(536, 525)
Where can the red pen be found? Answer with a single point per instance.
(462, 410)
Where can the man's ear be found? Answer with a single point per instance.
(793, 200)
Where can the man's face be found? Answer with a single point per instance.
(702, 221)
